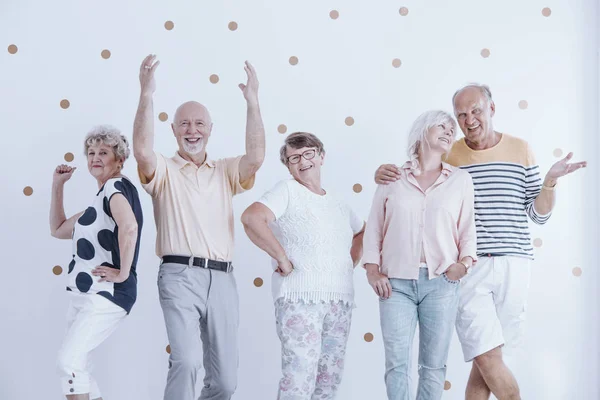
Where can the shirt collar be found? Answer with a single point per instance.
(447, 169)
(182, 162)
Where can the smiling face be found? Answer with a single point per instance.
(192, 127)
(102, 162)
(305, 163)
(474, 112)
(439, 138)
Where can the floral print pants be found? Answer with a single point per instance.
(313, 346)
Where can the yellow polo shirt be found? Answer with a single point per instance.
(193, 209)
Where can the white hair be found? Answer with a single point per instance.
(484, 89)
(418, 133)
(109, 136)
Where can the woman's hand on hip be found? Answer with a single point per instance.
(108, 274)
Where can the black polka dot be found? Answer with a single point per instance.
(71, 265)
(85, 250)
(107, 264)
(83, 282)
(88, 217)
(106, 207)
(106, 238)
(69, 289)
(119, 186)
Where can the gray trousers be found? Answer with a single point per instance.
(201, 311)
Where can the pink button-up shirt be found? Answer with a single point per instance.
(406, 222)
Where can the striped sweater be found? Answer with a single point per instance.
(507, 181)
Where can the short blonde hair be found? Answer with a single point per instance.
(109, 136)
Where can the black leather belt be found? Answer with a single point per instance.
(224, 266)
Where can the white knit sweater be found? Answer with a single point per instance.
(316, 233)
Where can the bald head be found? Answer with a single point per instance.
(193, 110)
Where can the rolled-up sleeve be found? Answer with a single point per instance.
(467, 233)
(373, 239)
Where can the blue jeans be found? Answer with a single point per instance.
(433, 303)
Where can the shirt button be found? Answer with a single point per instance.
(71, 382)
(72, 390)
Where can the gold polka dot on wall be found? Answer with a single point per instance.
(169, 25)
(349, 121)
(232, 26)
(57, 270)
(396, 63)
(293, 60)
(485, 53)
(214, 78)
(357, 188)
(537, 242)
(523, 104)
(105, 54)
(447, 385)
(27, 190)
(168, 349)
(557, 152)
(577, 271)
(403, 11)
(64, 104)
(69, 157)
(163, 116)
(282, 128)
(546, 12)
(12, 49)
(258, 282)
(334, 14)
(368, 337)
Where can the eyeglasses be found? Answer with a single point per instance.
(308, 155)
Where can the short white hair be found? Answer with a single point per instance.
(484, 89)
(109, 136)
(419, 130)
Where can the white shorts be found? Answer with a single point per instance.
(90, 320)
(493, 301)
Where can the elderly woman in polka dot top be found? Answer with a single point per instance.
(315, 240)
(102, 282)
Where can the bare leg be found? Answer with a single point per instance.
(476, 387)
(497, 376)
(85, 396)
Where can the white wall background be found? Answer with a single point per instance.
(345, 69)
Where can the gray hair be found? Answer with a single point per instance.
(298, 140)
(109, 136)
(419, 130)
(484, 89)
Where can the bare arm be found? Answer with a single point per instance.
(356, 251)
(128, 231)
(143, 126)
(256, 220)
(255, 130)
(60, 226)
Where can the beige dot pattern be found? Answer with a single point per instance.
(27, 190)
(403, 11)
(293, 60)
(537, 242)
(357, 188)
(282, 128)
(577, 271)
(57, 270)
(258, 282)
(485, 53)
(214, 78)
(368, 337)
(232, 26)
(64, 104)
(523, 104)
(334, 14)
(12, 49)
(447, 385)
(69, 157)
(105, 54)
(557, 152)
(546, 12)
(163, 116)
(396, 63)
(168, 349)
(169, 25)
(349, 121)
